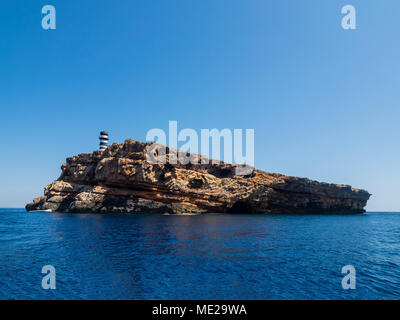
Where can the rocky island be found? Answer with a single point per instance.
(119, 179)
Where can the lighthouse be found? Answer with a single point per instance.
(103, 140)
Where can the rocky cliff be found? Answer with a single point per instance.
(120, 179)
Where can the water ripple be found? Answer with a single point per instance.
(121, 256)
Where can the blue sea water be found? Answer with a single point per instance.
(121, 256)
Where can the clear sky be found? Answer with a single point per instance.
(324, 102)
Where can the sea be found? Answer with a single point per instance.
(214, 256)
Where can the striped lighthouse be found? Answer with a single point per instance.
(103, 140)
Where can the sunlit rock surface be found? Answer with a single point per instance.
(120, 179)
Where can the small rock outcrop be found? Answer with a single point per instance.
(120, 179)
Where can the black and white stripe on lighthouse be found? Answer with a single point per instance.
(103, 140)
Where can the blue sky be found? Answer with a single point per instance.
(323, 101)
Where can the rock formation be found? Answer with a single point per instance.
(121, 179)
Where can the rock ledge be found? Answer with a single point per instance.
(120, 180)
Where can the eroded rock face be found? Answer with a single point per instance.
(120, 179)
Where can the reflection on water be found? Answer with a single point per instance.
(120, 256)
